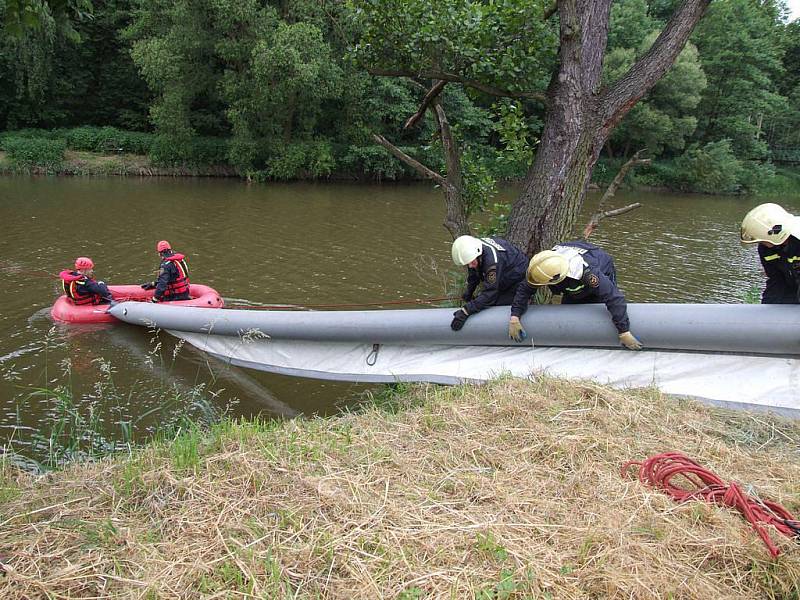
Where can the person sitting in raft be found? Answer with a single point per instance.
(776, 232)
(492, 261)
(81, 287)
(582, 273)
(173, 276)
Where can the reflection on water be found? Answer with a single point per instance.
(279, 244)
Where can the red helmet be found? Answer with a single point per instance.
(83, 262)
(163, 245)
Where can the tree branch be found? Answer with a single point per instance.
(550, 11)
(617, 100)
(413, 163)
(452, 156)
(452, 77)
(635, 161)
(592, 225)
(432, 94)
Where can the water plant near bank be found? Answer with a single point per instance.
(80, 425)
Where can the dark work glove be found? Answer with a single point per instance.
(148, 286)
(459, 318)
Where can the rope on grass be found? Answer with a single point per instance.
(659, 470)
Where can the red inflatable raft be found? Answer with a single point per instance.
(66, 312)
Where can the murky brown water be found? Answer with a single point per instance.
(276, 244)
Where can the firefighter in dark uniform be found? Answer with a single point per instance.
(81, 287)
(493, 262)
(581, 273)
(173, 276)
(775, 231)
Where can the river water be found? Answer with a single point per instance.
(273, 244)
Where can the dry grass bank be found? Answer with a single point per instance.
(506, 491)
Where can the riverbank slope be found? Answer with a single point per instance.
(510, 490)
(81, 164)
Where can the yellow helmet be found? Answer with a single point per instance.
(547, 268)
(768, 223)
(466, 249)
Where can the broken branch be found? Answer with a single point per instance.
(430, 96)
(411, 162)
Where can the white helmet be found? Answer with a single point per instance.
(548, 267)
(466, 249)
(768, 223)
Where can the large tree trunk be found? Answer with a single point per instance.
(556, 183)
(581, 116)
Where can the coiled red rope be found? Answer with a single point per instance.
(659, 471)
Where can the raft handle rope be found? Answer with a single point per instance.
(659, 470)
(337, 306)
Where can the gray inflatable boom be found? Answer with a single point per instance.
(739, 328)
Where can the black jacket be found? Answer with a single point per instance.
(596, 282)
(501, 266)
(782, 266)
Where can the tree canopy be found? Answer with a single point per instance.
(295, 88)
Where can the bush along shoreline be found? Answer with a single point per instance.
(507, 490)
(107, 151)
(110, 151)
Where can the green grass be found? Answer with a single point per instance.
(185, 449)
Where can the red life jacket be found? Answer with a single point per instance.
(181, 284)
(73, 283)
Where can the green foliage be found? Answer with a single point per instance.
(711, 169)
(664, 119)
(498, 220)
(488, 545)
(225, 67)
(480, 186)
(756, 176)
(507, 587)
(31, 133)
(505, 44)
(185, 449)
(283, 85)
(22, 16)
(302, 161)
(516, 132)
(631, 22)
(374, 162)
(786, 183)
(294, 73)
(73, 71)
(108, 140)
(29, 154)
(752, 295)
(169, 151)
(740, 44)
